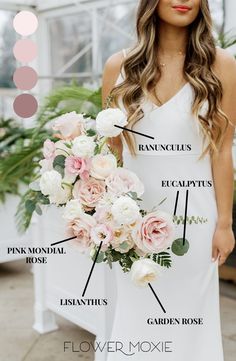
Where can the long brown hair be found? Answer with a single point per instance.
(142, 72)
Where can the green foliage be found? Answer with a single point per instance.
(180, 247)
(226, 40)
(189, 220)
(19, 156)
(29, 203)
(162, 258)
(70, 98)
(59, 164)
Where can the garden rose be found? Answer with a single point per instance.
(155, 233)
(122, 181)
(49, 149)
(102, 232)
(81, 228)
(144, 271)
(83, 146)
(78, 166)
(107, 119)
(89, 191)
(125, 210)
(103, 165)
(70, 125)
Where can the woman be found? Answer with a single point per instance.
(178, 87)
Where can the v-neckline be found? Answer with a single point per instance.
(169, 101)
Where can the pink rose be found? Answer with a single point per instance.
(122, 181)
(89, 191)
(70, 125)
(81, 230)
(77, 165)
(49, 149)
(103, 233)
(155, 233)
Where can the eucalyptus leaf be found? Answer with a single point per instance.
(180, 247)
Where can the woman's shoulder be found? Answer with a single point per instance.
(225, 66)
(113, 64)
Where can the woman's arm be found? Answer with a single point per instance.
(222, 164)
(110, 75)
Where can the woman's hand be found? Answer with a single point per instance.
(223, 243)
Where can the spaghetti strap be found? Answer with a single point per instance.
(124, 52)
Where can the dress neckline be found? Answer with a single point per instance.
(169, 101)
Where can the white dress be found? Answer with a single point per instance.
(190, 288)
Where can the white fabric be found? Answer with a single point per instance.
(190, 288)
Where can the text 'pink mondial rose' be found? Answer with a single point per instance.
(155, 233)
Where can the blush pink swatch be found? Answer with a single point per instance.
(25, 50)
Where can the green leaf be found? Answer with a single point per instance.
(38, 210)
(91, 132)
(59, 164)
(179, 247)
(30, 206)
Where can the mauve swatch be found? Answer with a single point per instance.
(25, 105)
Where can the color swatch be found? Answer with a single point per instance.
(25, 105)
(25, 23)
(25, 77)
(25, 50)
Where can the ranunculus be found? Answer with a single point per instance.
(107, 119)
(125, 210)
(81, 228)
(72, 210)
(155, 233)
(49, 149)
(122, 181)
(89, 191)
(50, 181)
(83, 146)
(78, 166)
(70, 125)
(103, 165)
(102, 233)
(144, 271)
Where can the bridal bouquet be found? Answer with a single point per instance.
(101, 199)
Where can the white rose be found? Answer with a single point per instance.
(50, 181)
(125, 210)
(83, 146)
(103, 165)
(107, 119)
(60, 195)
(144, 271)
(72, 210)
